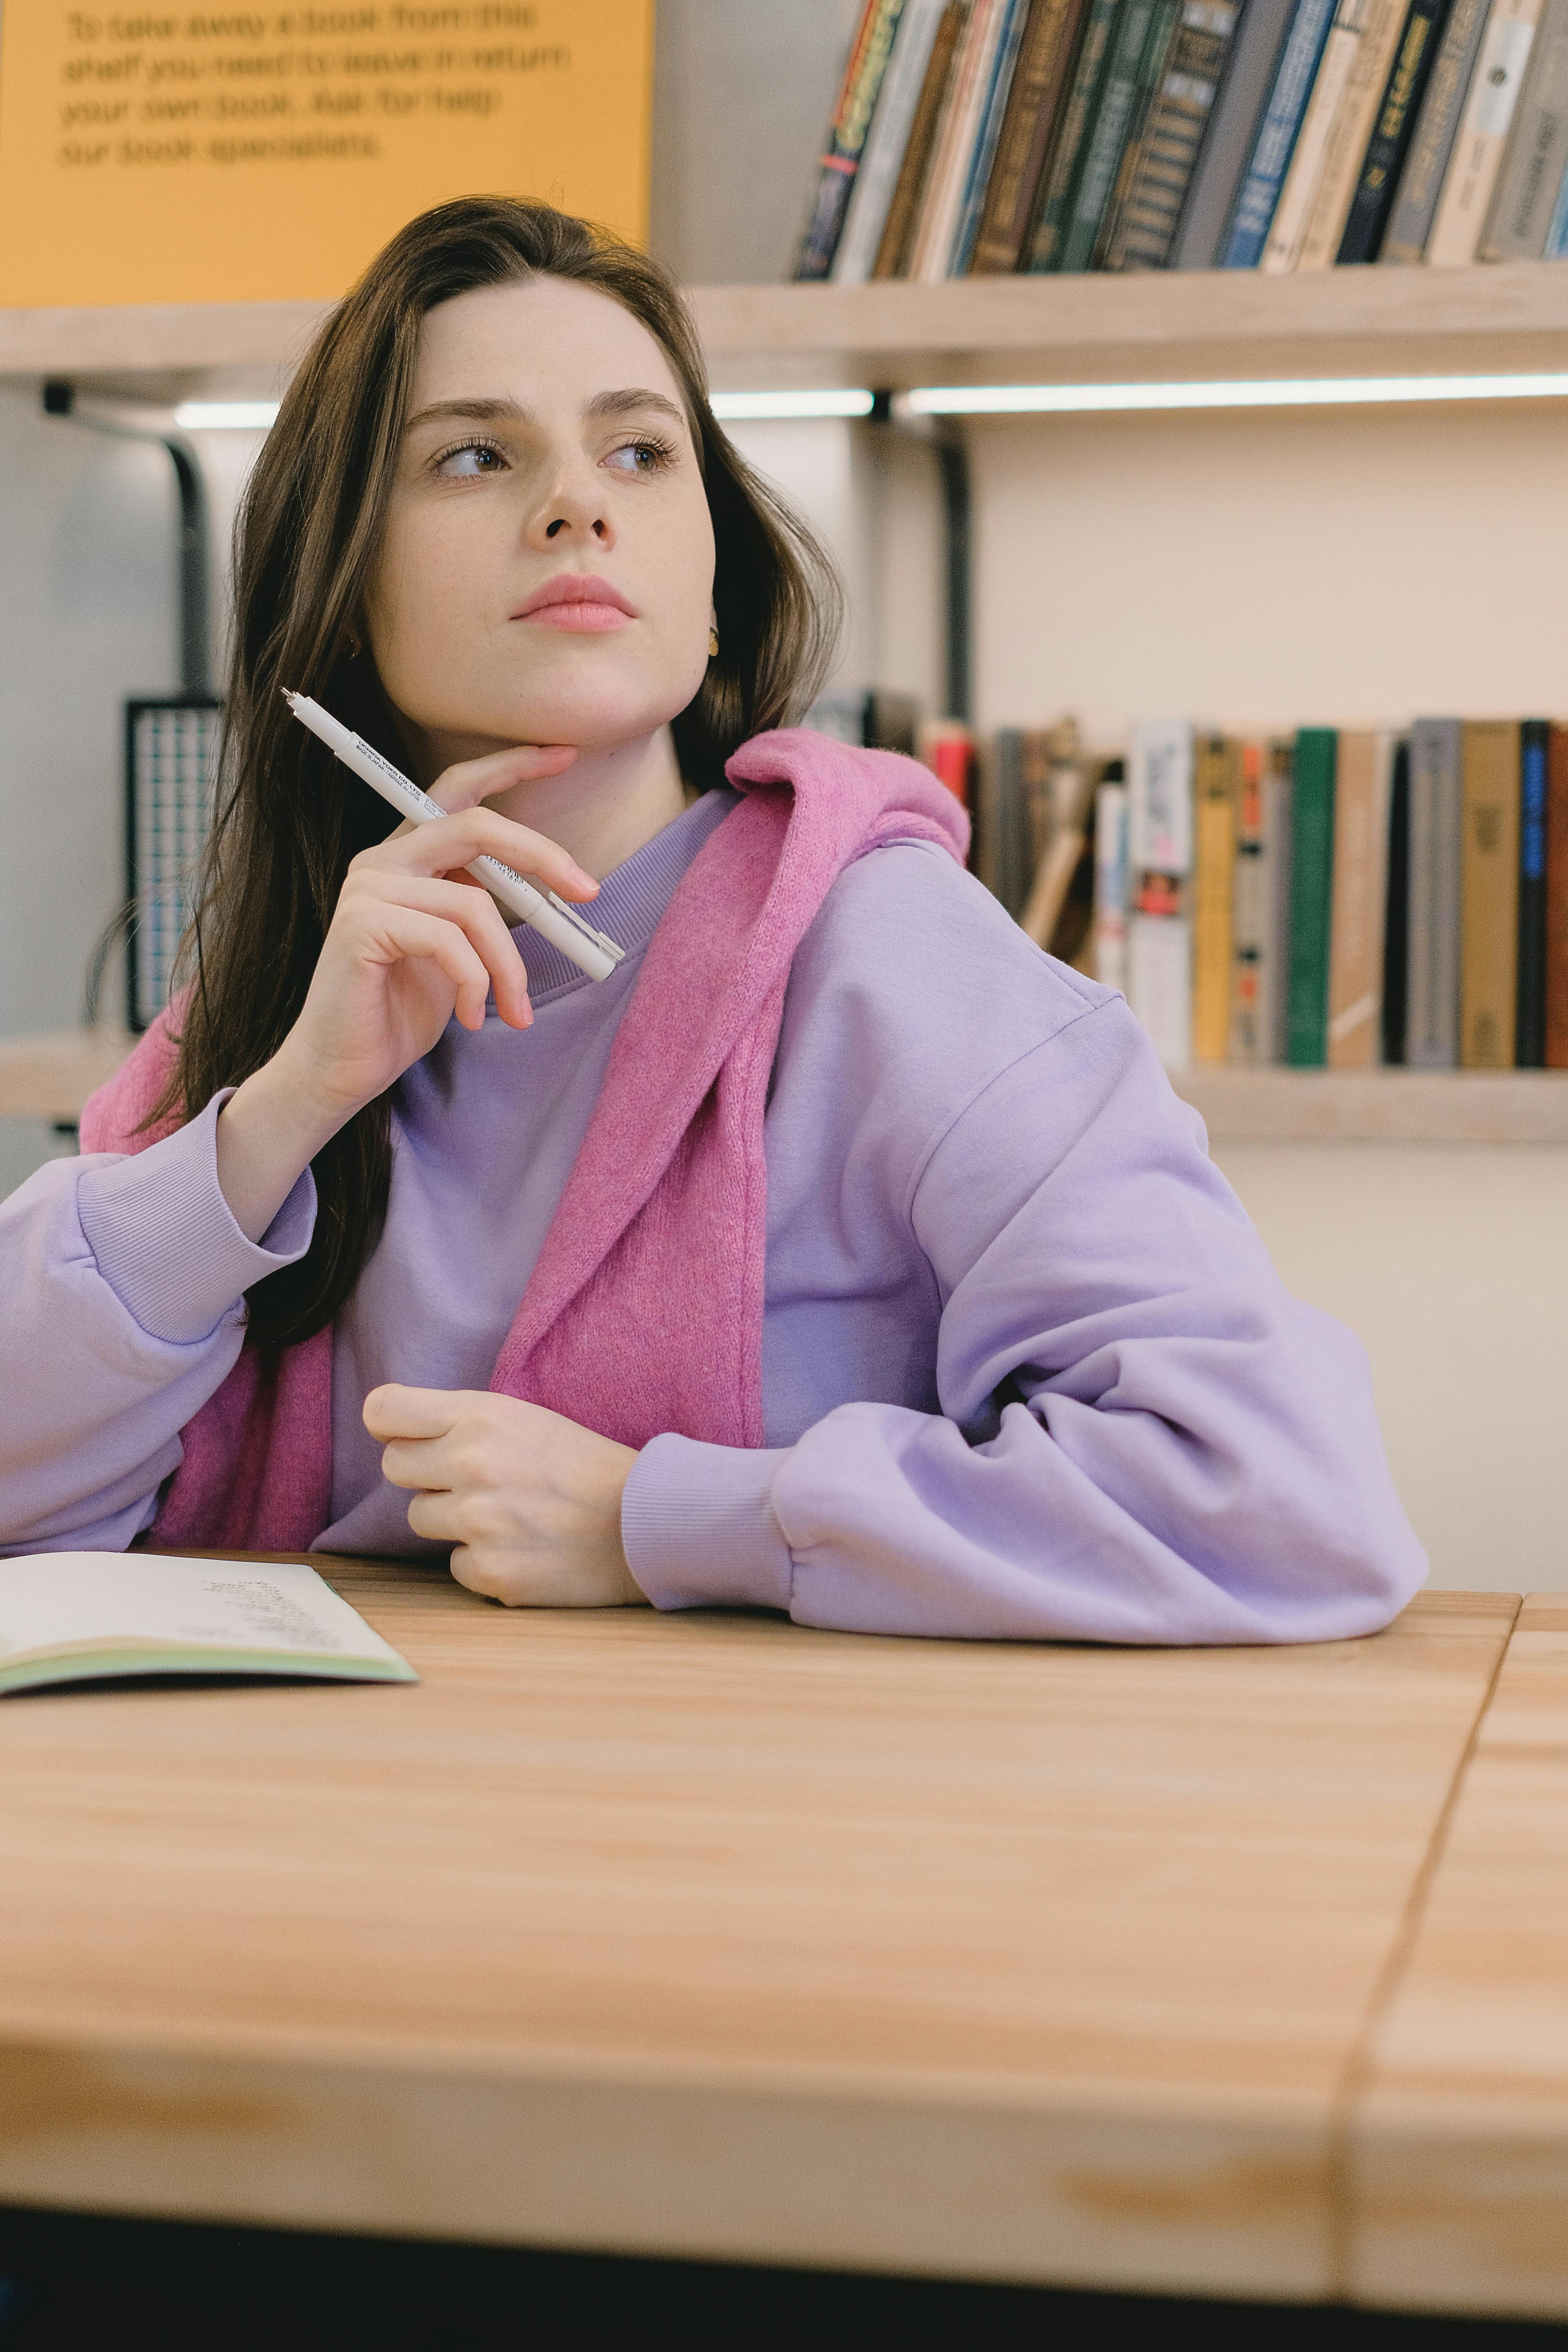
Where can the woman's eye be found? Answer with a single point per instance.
(475, 457)
(639, 458)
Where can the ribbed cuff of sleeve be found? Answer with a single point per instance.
(699, 1528)
(164, 1238)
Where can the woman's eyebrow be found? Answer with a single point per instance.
(620, 403)
(479, 410)
(475, 411)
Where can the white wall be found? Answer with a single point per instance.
(87, 617)
(1272, 568)
(1450, 1261)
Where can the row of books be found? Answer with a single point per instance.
(978, 136)
(1336, 897)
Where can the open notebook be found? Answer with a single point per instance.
(67, 1616)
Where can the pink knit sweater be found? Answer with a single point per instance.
(644, 1312)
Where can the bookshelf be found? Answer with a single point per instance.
(1149, 327)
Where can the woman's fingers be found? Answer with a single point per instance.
(477, 915)
(468, 782)
(458, 839)
(398, 934)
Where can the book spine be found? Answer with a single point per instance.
(1261, 36)
(1530, 1002)
(1320, 132)
(1150, 211)
(1216, 797)
(1039, 86)
(944, 191)
(1112, 886)
(996, 792)
(1477, 151)
(1061, 170)
(1432, 948)
(1003, 65)
(1163, 29)
(1107, 135)
(847, 136)
(1490, 895)
(1277, 134)
(920, 153)
(1160, 985)
(1288, 230)
(1531, 173)
(1378, 184)
(882, 157)
(1556, 990)
(1352, 133)
(1279, 855)
(1311, 896)
(1557, 229)
(1432, 140)
(1160, 797)
(1249, 916)
(1355, 927)
(1396, 918)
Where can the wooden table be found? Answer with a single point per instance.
(1234, 1971)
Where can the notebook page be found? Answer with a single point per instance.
(50, 1599)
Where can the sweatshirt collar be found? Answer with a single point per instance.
(632, 898)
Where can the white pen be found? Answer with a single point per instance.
(550, 917)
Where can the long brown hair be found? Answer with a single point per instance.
(288, 818)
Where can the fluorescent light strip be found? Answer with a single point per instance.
(743, 407)
(1033, 399)
(226, 416)
(1305, 391)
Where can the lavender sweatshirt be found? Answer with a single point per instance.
(1026, 1367)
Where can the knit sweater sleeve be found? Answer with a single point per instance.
(121, 1297)
(1142, 1437)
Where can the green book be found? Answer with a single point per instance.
(1060, 175)
(1311, 898)
(1143, 33)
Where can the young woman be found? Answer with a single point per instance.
(840, 1254)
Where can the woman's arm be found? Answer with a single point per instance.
(122, 1279)
(1143, 1436)
(122, 1310)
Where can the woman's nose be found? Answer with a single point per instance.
(571, 510)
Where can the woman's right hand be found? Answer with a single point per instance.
(413, 940)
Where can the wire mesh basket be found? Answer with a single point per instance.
(171, 771)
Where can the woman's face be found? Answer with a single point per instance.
(546, 572)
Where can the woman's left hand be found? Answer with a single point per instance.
(530, 1502)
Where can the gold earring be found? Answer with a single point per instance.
(712, 645)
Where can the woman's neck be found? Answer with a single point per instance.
(605, 806)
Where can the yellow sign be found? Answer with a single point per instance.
(234, 155)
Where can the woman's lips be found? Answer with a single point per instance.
(592, 619)
(579, 602)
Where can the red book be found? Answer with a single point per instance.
(1557, 900)
(947, 748)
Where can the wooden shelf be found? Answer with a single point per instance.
(1042, 330)
(1148, 327)
(49, 1077)
(1378, 1105)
